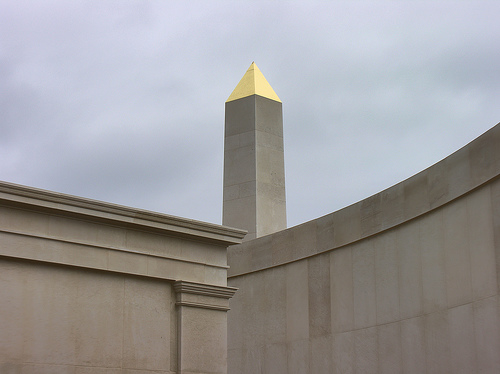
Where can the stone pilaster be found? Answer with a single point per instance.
(202, 327)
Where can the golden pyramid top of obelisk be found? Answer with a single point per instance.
(253, 83)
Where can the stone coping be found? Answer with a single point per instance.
(94, 210)
(465, 170)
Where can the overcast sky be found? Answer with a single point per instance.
(123, 101)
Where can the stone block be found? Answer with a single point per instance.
(215, 255)
(268, 116)
(202, 252)
(281, 246)
(98, 313)
(365, 304)
(272, 211)
(456, 245)
(247, 138)
(74, 230)
(247, 189)
(410, 270)
(273, 305)
(266, 297)
(433, 262)
(202, 330)
(270, 159)
(275, 359)
(297, 301)
(343, 353)
(72, 317)
(239, 165)
(240, 115)
(75, 254)
(109, 236)
(253, 361)
(231, 142)
(484, 154)
(21, 221)
(234, 360)
(262, 254)
(236, 316)
(437, 342)
(321, 355)
(413, 345)
(249, 309)
(482, 246)
(233, 217)
(391, 204)
(487, 335)
(389, 348)
(298, 357)
(458, 171)
(495, 204)
(438, 181)
(20, 246)
(232, 192)
(163, 268)
(11, 321)
(341, 286)
(366, 350)
(416, 198)
(371, 215)
(215, 275)
(386, 277)
(304, 240)
(347, 223)
(325, 233)
(146, 322)
(153, 244)
(239, 258)
(319, 296)
(127, 262)
(271, 141)
(462, 351)
(174, 270)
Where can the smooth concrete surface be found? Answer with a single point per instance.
(254, 170)
(91, 287)
(405, 281)
(58, 316)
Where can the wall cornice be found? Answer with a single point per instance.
(30, 198)
(205, 296)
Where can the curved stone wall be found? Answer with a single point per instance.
(403, 281)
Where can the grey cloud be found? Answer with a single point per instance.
(124, 102)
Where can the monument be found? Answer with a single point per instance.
(254, 167)
(404, 281)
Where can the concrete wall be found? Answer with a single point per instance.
(90, 288)
(62, 320)
(405, 281)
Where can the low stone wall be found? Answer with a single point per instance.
(404, 281)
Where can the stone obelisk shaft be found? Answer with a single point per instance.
(254, 170)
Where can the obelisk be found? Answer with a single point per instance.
(254, 166)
